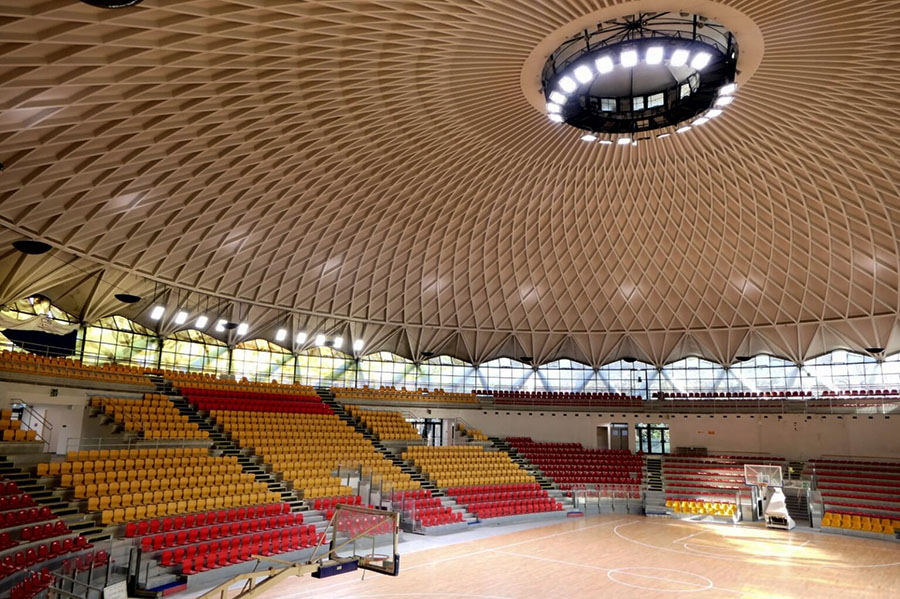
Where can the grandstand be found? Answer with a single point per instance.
(491, 298)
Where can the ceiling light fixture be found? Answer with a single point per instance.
(557, 98)
(242, 328)
(301, 338)
(727, 90)
(338, 342)
(714, 113)
(724, 100)
(583, 74)
(604, 65)
(556, 118)
(551, 107)
(320, 340)
(181, 317)
(568, 84)
(202, 321)
(701, 121)
(358, 345)
(280, 334)
(623, 141)
(679, 58)
(654, 55)
(157, 312)
(701, 59)
(220, 325)
(629, 58)
(684, 129)
(589, 137)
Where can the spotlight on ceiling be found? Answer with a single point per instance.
(181, 317)
(713, 113)
(127, 298)
(112, 3)
(568, 84)
(556, 118)
(281, 335)
(663, 135)
(358, 344)
(701, 59)
(301, 338)
(724, 100)
(623, 141)
(702, 120)
(679, 58)
(220, 325)
(557, 98)
(320, 340)
(684, 129)
(242, 328)
(604, 64)
(654, 55)
(202, 321)
(589, 137)
(629, 58)
(338, 342)
(32, 247)
(157, 312)
(551, 107)
(727, 90)
(583, 74)
(606, 142)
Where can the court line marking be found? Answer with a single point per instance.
(690, 536)
(608, 570)
(462, 555)
(742, 559)
(700, 587)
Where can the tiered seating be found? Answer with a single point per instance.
(38, 554)
(860, 522)
(33, 584)
(858, 489)
(473, 434)
(146, 483)
(329, 504)
(711, 478)
(547, 398)
(466, 465)
(11, 430)
(392, 394)
(492, 501)
(570, 464)
(154, 417)
(387, 426)
(28, 363)
(258, 401)
(309, 448)
(709, 508)
(747, 395)
(196, 380)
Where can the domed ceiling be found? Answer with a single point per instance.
(377, 167)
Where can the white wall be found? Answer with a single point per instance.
(63, 407)
(791, 436)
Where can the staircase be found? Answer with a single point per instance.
(45, 494)
(223, 445)
(653, 475)
(795, 502)
(393, 454)
(522, 462)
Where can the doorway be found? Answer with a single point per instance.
(430, 429)
(618, 435)
(651, 438)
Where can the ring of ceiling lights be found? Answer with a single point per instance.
(609, 45)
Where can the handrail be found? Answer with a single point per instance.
(88, 443)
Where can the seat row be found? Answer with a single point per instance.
(10, 564)
(19, 517)
(141, 474)
(386, 426)
(210, 518)
(860, 522)
(207, 404)
(213, 532)
(496, 509)
(135, 454)
(437, 516)
(16, 502)
(209, 556)
(47, 530)
(209, 501)
(307, 394)
(710, 508)
(34, 584)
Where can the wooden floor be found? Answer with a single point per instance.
(629, 556)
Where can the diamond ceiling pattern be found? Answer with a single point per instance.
(375, 165)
